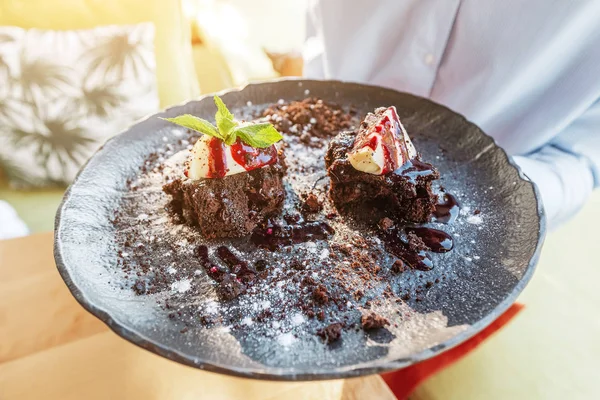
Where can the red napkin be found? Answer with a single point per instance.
(404, 381)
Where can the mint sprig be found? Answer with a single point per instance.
(259, 135)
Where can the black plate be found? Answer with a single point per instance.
(494, 258)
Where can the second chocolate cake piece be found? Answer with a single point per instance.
(376, 171)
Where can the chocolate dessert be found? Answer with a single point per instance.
(376, 171)
(231, 206)
(233, 177)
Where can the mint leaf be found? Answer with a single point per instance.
(225, 120)
(257, 135)
(196, 124)
(260, 135)
(222, 109)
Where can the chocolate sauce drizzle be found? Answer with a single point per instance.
(232, 281)
(412, 170)
(273, 235)
(447, 211)
(436, 241)
(237, 267)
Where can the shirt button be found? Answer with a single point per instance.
(429, 59)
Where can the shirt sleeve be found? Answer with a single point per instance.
(567, 169)
(312, 52)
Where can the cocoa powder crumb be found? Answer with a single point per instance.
(415, 243)
(399, 266)
(139, 287)
(230, 288)
(321, 315)
(320, 294)
(373, 321)
(311, 203)
(343, 248)
(331, 332)
(386, 224)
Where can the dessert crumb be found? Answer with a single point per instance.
(399, 266)
(386, 224)
(331, 332)
(311, 203)
(320, 294)
(373, 321)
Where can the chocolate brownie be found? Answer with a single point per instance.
(403, 194)
(231, 206)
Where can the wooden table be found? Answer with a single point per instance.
(51, 348)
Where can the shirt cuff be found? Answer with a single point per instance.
(564, 181)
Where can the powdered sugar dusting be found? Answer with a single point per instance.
(181, 286)
(298, 319)
(474, 219)
(286, 339)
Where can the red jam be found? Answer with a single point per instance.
(247, 156)
(373, 142)
(252, 158)
(216, 158)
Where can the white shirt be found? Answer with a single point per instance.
(527, 72)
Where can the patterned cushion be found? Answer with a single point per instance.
(64, 93)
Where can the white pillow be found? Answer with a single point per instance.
(64, 93)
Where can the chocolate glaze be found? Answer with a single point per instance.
(415, 255)
(437, 241)
(412, 170)
(447, 211)
(273, 236)
(237, 266)
(211, 269)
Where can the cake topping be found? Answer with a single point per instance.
(212, 158)
(229, 148)
(382, 144)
